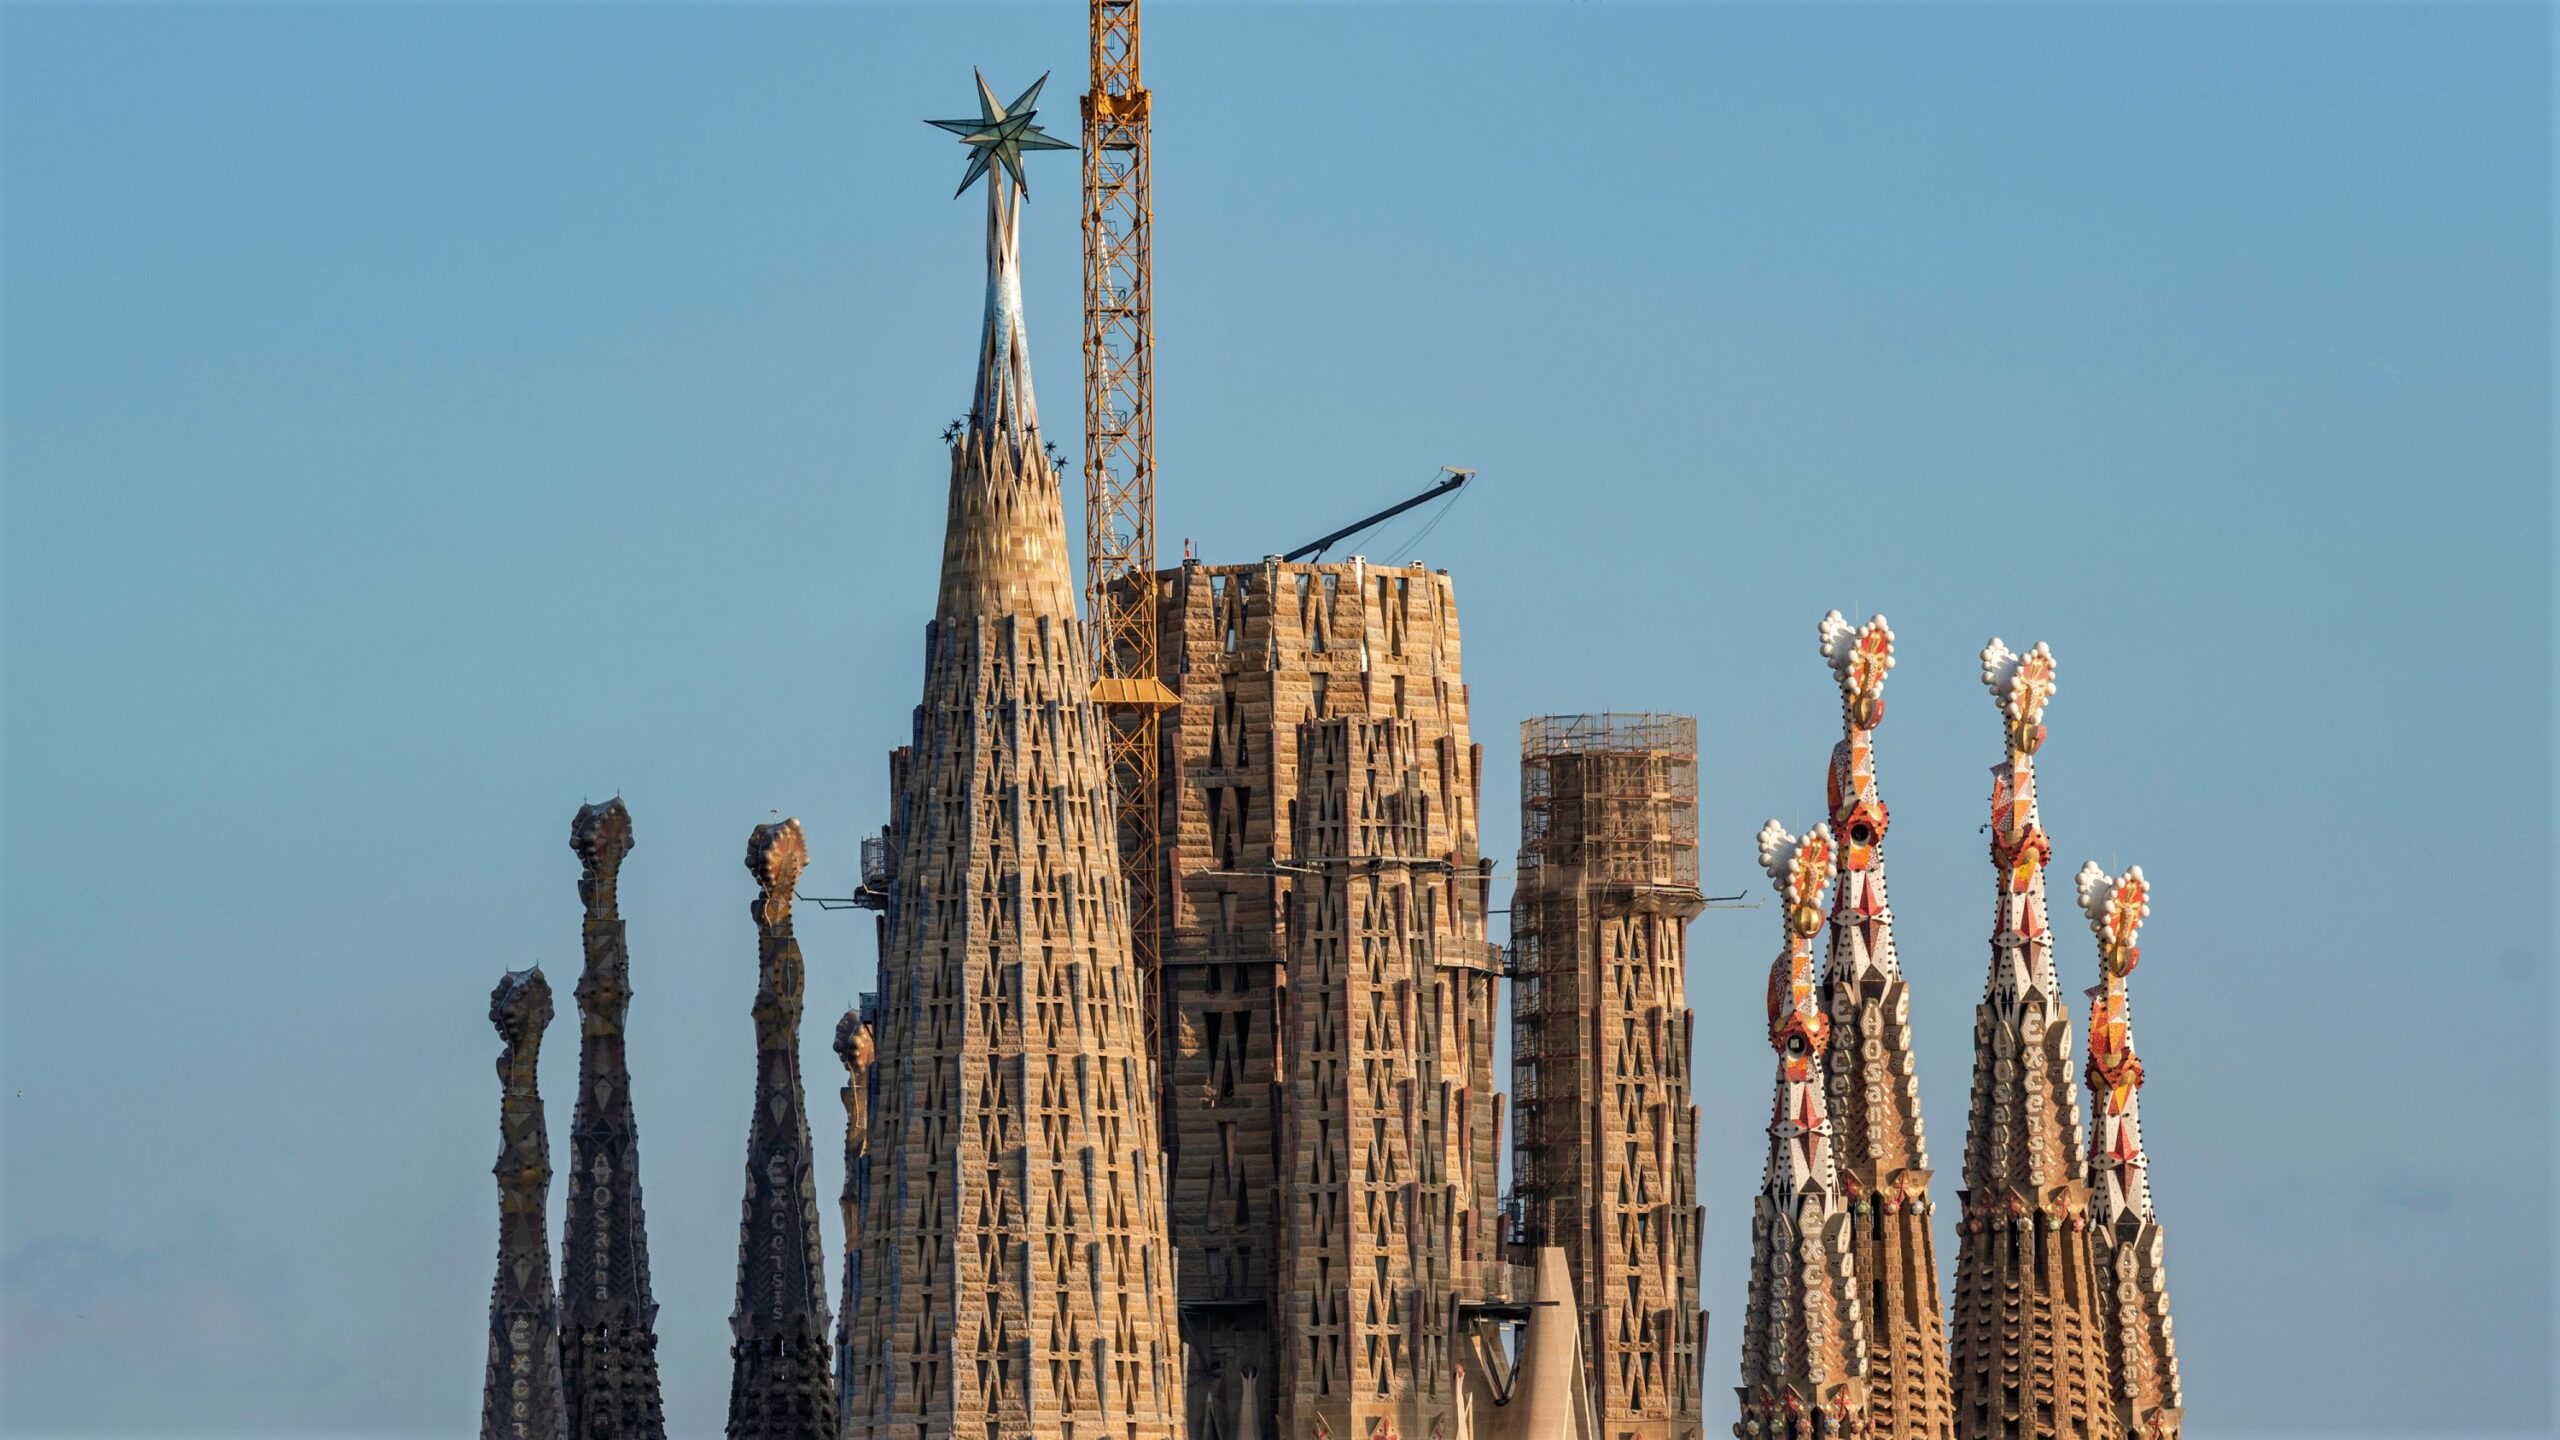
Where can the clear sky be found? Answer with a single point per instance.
(421, 419)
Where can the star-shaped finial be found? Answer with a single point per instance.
(1000, 134)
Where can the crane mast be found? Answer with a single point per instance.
(1119, 474)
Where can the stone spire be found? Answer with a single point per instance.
(780, 1384)
(1803, 1337)
(2028, 1360)
(1015, 1278)
(2133, 1286)
(520, 1394)
(1874, 1084)
(609, 1341)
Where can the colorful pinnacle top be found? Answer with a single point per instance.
(1000, 134)
(2022, 684)
(1860, 656)
(2025, 1134)
(2116, 906)
(1801, 867)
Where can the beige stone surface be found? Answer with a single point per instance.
(1266, 1080)
(1016, 1280)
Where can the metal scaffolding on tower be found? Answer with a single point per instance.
(1119, 473)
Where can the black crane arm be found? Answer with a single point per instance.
(1457, 480)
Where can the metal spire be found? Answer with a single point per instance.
(1002, 403)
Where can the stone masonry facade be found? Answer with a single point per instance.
(1309, 1136)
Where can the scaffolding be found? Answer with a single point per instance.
(1608, 881)
(1616, 795)
(1607, 802)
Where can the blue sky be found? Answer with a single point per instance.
(421, 419)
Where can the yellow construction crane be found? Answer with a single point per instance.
(1120, 473)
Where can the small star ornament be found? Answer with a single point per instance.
(1000, 135)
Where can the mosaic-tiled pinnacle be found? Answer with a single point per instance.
(609, 1338)
(1874, 1080)
(781, 1384)
(1803, 1336)
(520, 1392)
(2028, 1361)
(2133, 1283)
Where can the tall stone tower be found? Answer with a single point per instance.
(1804, 1342)
(520, 1393)
(781, 1386)
(1874, 1085)
(2029, 1361)
(1016, 1279)
(1606, 1154)
(609, 1331)
(1379, 1199)
(2133, 1285)
(1271, 662)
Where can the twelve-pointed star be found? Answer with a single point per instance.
(1000, 134)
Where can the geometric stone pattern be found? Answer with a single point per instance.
(2029, 1358)
(1379, 1202)
(1015, 1278)
(1255, 653)
(1804, 1343)
(1874, 1085)
(1606, 1138)
(2133, 1286)
(520, 1390)
(609, 1342)
(780, 1385)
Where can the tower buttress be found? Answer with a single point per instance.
(2028, 1362)
(1804, 1338)
(520, 1392)
(1874, 1082)
(2133, 1285)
